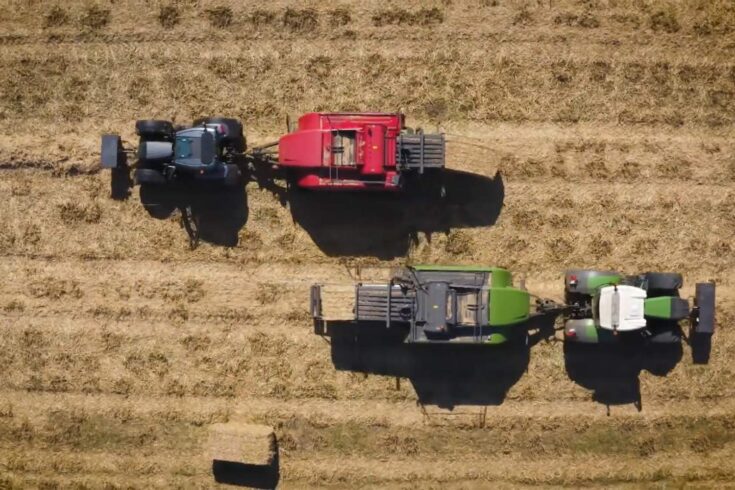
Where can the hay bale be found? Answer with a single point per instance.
(242, 443)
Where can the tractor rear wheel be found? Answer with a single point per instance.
(234, 139)
(154, 130)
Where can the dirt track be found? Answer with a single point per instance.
(598, 135)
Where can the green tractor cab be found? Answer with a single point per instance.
(435, 304)
(606, 307)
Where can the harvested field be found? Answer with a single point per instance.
(599, 133)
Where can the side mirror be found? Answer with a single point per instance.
(207, 148)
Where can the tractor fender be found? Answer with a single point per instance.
(583, 281)
(584, 331)
(145, 176)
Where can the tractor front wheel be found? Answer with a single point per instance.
(664, 282)
(671, 335)
(149, 176)
(157, 201)
(154, 130)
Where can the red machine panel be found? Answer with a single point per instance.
(343, 150)
(355, 151)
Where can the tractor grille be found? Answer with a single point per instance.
(372, 303)
(420, 151)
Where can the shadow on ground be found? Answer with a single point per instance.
(384, 225)
(612, 372)
(375, 224)
(216, 215)
(445, 375)
(247, 475)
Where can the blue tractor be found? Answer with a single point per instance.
(206, 152)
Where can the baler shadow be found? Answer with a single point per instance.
(385, 225)
(247, 475)
(612, 372)
(444, 375)
(218, 215)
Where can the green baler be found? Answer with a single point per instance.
(457, 304)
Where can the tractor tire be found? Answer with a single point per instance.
(156, 201)
(154, 130)
(235, 138)
(671, 335)
(663, 281)
(149, 176)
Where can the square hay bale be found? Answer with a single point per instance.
(242, 443)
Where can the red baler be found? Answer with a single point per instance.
(357, 151)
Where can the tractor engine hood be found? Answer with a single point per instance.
(620, 308)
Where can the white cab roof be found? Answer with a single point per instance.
(621, 308)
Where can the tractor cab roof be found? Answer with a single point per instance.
(620, 308)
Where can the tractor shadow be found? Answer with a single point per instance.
(612, 372)
(247, 475)
(443, 375)
(385, 225)
(219, 213)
